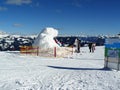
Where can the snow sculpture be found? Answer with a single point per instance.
(46, 38)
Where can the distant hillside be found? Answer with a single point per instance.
(13, 42)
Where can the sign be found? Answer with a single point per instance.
(113, 53)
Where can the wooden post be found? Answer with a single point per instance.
(72, 50)
(26, 49)
(54, 51)
(118, 61)
(37, 51)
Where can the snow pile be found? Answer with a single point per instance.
(46, 43)
(46, 38)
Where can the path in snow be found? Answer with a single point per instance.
(82, 71)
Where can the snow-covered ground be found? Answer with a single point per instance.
(83, 71)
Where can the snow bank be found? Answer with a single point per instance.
(46, 38)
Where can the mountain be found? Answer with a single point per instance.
(3, 34)
(13, 42)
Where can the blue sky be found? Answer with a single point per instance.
(91, 17)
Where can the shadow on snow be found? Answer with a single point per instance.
(73, 68)
(94, 59)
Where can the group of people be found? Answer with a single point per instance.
(77, 44)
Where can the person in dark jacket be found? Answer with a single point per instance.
(78, 48)
(90, 46)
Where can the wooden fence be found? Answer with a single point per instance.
(49, 52)
(29, 50)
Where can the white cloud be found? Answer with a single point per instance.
(18, 2)
(17, 25)
(77, 3)
(58, 11)
(37, 4)
(3, 8)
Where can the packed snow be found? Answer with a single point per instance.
(46, 38)
(80, 71)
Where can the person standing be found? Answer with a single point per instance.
(77, 45)
(78, 48)
(93, 47)
(90, 46)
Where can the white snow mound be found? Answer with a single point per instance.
(46, 38)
